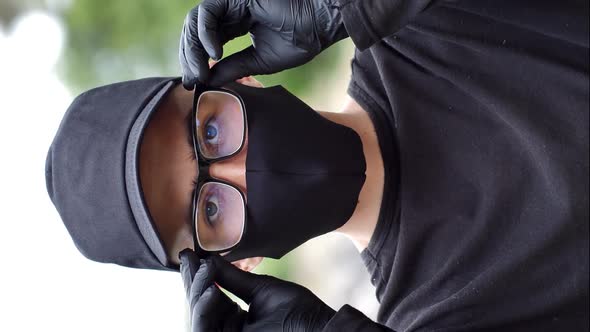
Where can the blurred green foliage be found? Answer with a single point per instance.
(114, 40)
(110, 40)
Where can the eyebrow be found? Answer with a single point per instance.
(188, 120)
(189, 219)
(189, 136)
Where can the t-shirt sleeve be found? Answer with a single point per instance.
(350, 319)
(367, 22)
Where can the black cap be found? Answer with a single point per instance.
(92, 174)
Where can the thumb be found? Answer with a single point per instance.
(208, 24)
(243, 284)
(244, 63)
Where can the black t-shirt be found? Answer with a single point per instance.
(481, 109)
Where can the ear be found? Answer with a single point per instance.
(248, 80)
(247, 264)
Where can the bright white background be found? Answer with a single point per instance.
(45, 284)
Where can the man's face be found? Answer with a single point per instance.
(168, 169)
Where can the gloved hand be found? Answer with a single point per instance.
(210, 309)
(275, 305)
(285, 34)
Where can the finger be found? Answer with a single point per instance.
(237, 65)
(189, 264)
(195, 56)
(213, 311)
(244, 285)
(203, 279)
(188, 78)
(202, 315)
(208, 25)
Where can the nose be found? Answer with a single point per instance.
(232, 170)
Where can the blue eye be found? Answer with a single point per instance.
(210, 132)
(211, 209)
(210, 137)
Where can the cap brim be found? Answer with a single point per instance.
(134, 191)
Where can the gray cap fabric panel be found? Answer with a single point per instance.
(134, 192)
(85, 173)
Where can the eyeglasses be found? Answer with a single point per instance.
(218, 133)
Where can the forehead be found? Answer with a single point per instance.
(167, 170)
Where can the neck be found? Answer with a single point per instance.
(361, 225)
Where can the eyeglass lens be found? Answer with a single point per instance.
(220, 124)
(220, 216)
(220, 209)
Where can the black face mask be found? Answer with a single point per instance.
(304, 173)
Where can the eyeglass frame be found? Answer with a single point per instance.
(204, 163)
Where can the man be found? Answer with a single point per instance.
(459, 169)
(481, 114)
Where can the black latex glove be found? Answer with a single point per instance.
(210, 309)
(275, 305)
(285, 34)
